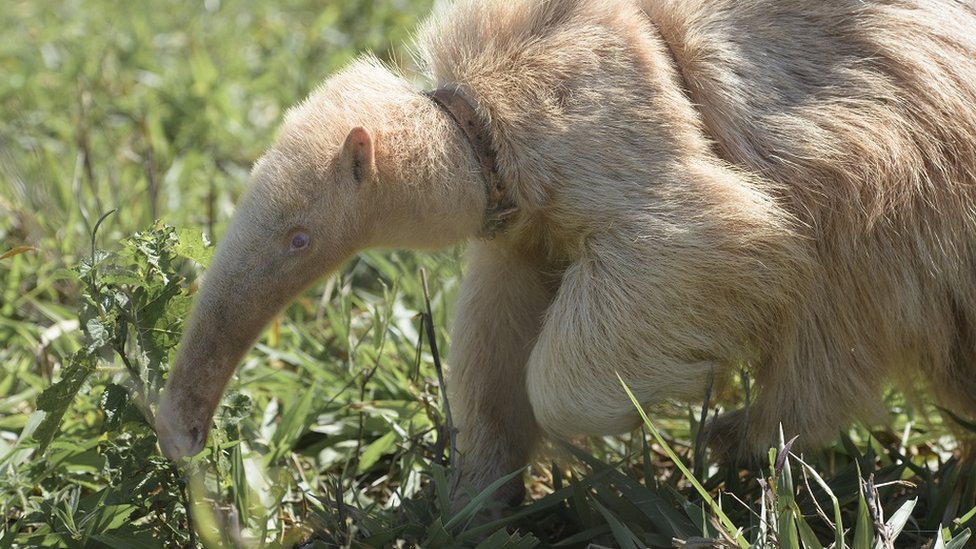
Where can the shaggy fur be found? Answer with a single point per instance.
(702, 184)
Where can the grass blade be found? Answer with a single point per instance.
(469, 511)
(625, 538)
(863, 529)
(898, 520)
(959, 541)
(730, 528)
(838, 518)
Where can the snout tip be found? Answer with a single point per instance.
(177, 440)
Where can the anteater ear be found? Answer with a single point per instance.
(358, 156)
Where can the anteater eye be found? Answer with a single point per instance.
(299, 241)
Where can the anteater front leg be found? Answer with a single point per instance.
(499, 314)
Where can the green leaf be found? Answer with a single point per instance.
(939, 542)
(730, 528)
(10, 534)
(965, 518)
(240, 486)
(128, 539)
(438, 535)
(469, 511)
(838, 518)
(787, 534)
(863, 529)
(898, 520)
(113, 402)
(585, 537)
(378, 448)
(655, 507)
(111, 517)
(56, 399)
(624, 537)
(193, 245)
(99, 334)
(959, 540)
(808, 538)
(292, 425)
(580, 502)
(504, 540)
(442, 489)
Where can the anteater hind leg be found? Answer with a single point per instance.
(813, 390)
(954, 383)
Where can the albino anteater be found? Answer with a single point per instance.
(667, 189)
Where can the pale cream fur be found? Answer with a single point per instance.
(702, 184)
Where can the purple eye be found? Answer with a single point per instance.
(299, 241)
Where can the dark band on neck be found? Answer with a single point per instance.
(500, 207)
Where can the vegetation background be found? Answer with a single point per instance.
(127, 130)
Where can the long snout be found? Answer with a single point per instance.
(244, 288)
(227, 317)
(255, 272)
(208, 355)
(175, 439)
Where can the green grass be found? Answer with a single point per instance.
(332, 433)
